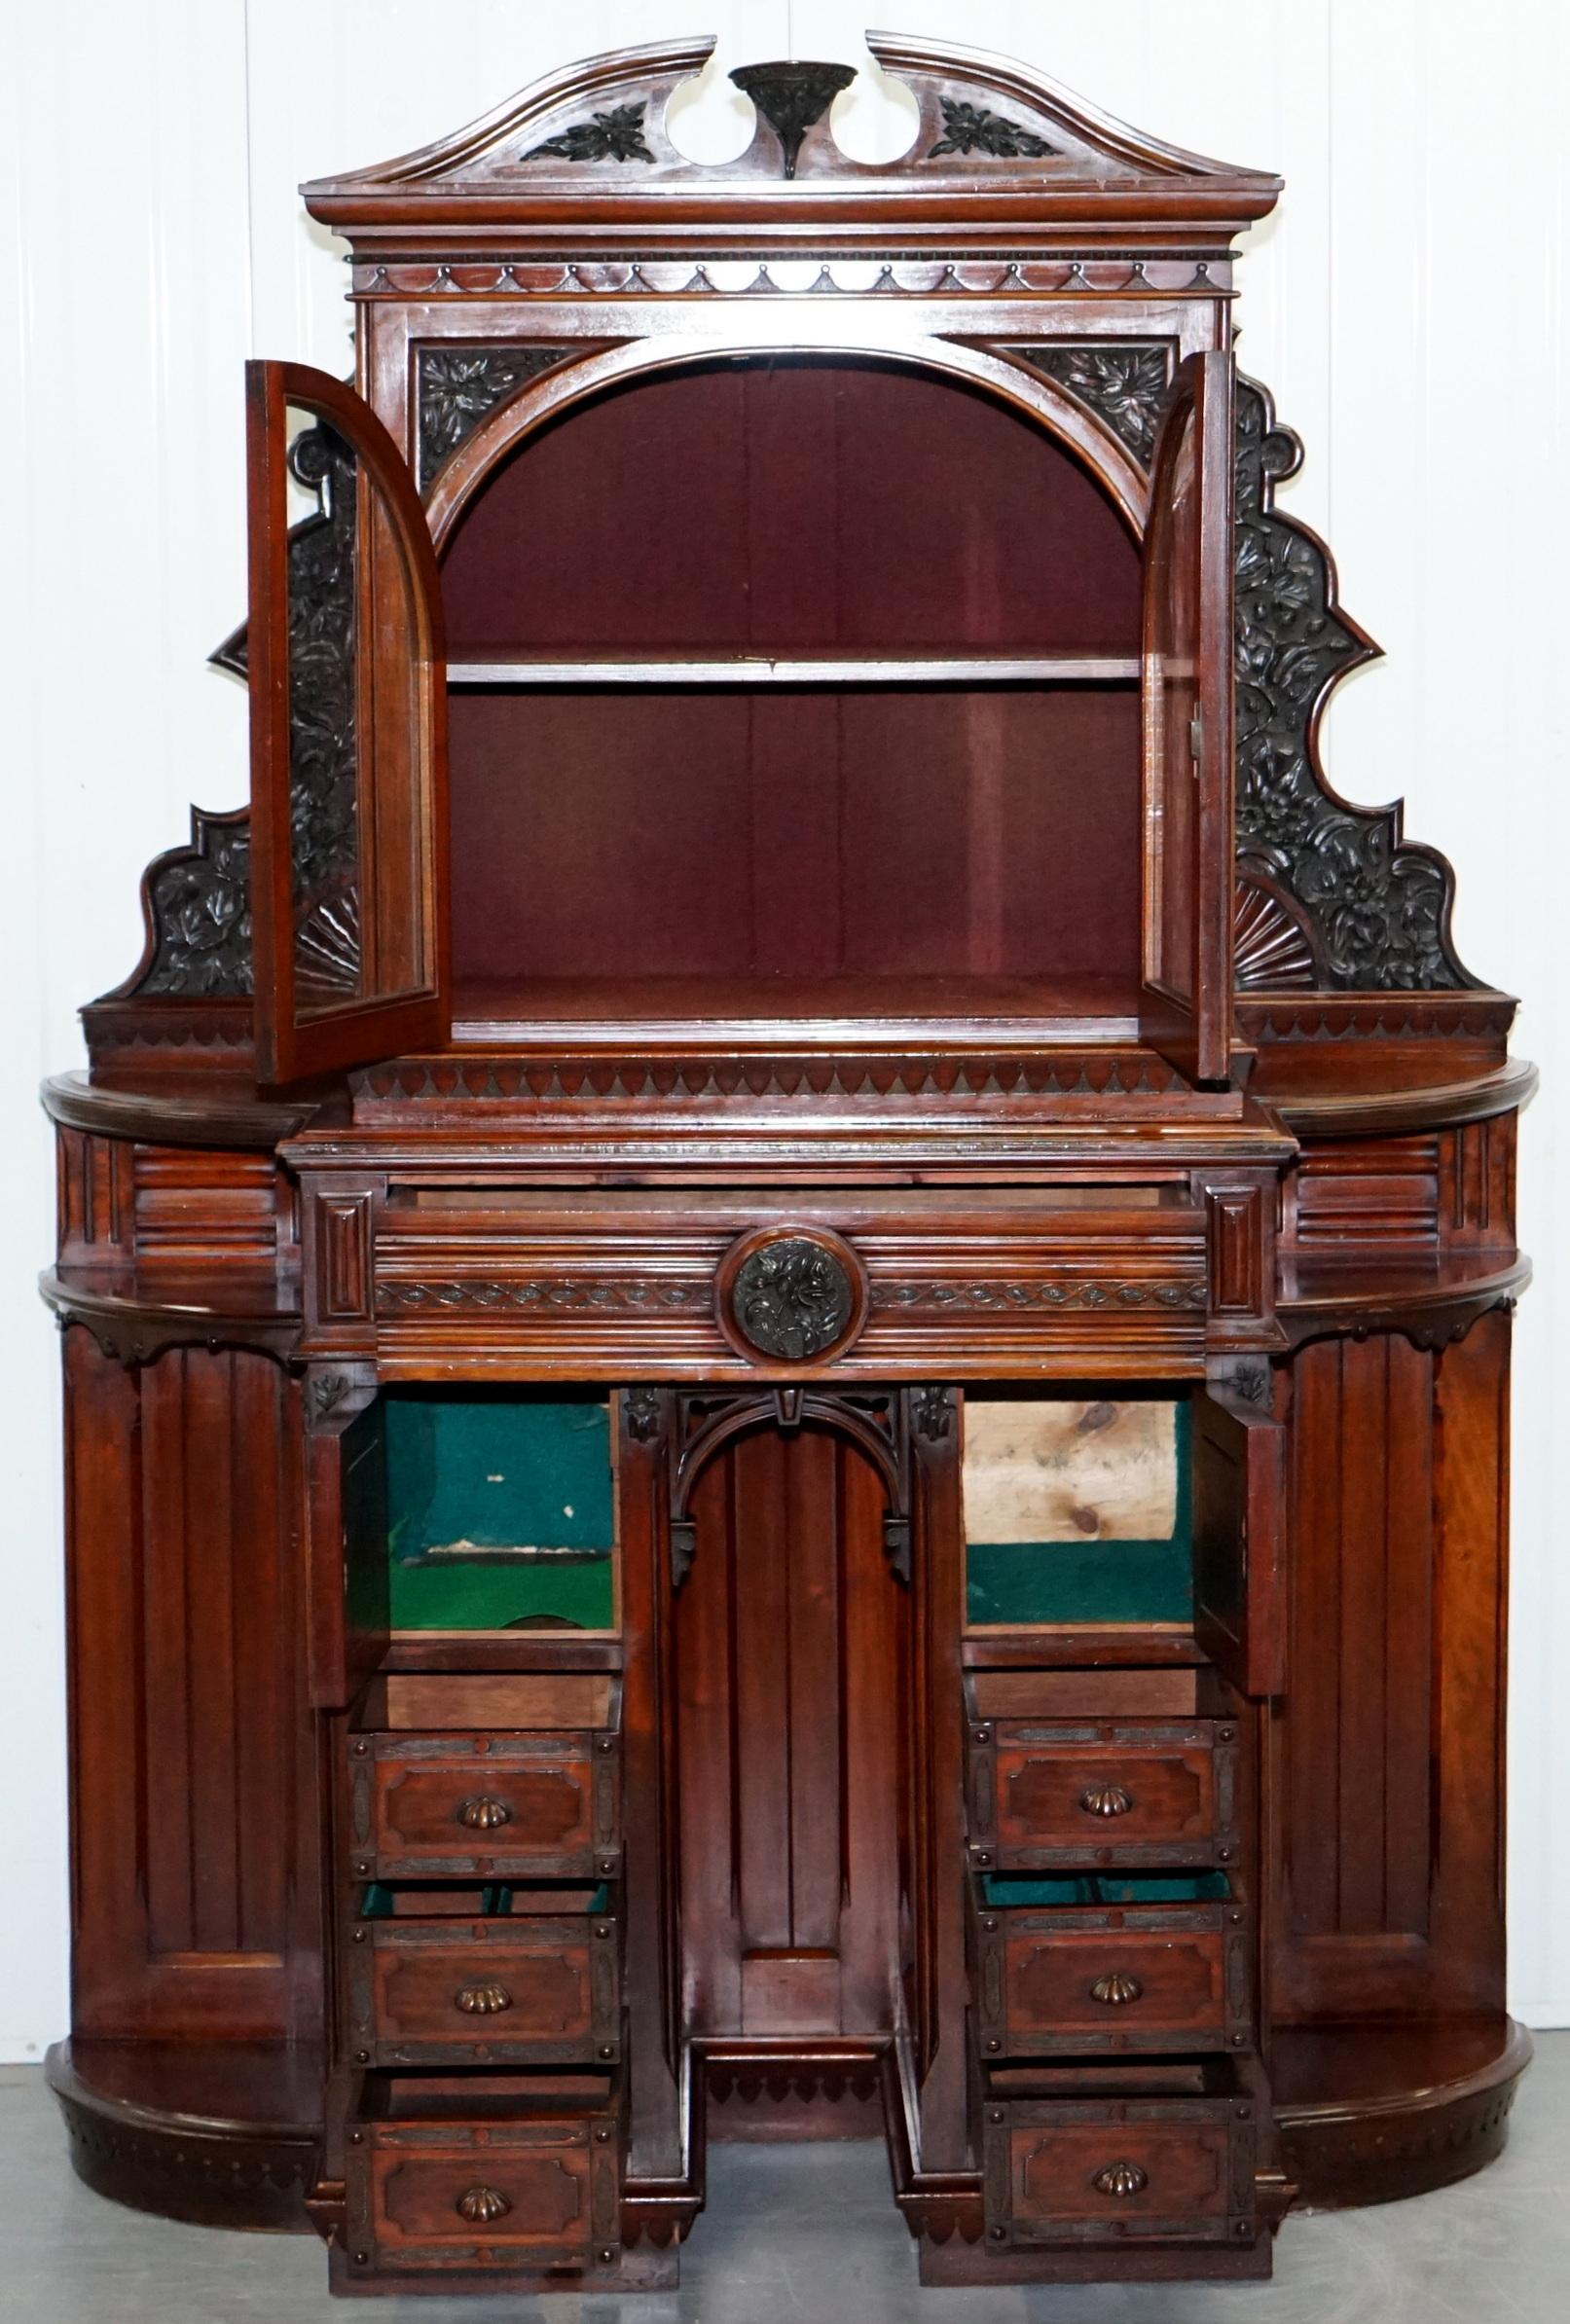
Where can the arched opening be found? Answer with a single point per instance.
(821, 700)
(789, 1667)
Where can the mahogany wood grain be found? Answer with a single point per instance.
(801, 540)
(463, 1698)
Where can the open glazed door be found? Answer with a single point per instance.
(1239, 1529)
(1186, 1000)
(347, 685)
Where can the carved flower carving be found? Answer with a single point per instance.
(975, 129)
(614, 135)
(792, 1298)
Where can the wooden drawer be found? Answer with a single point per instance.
(1109, 1979)
(1108, 1793)
(640, 1284)
(1078, 2171)
(541, 2197)
(503, 1992)
(489, 1808)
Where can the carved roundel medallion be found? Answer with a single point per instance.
(786, 1297)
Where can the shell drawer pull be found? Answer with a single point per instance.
(1122, 2179)
(484, 1815)
(481, 2204)
(1106, 1799)
(1115, 1989)
(482, 2000)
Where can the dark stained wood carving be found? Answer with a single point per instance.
(1379, 904)
(460, 386)
(197, 899)
(792, 97)
(322, 717)
(1125, 384)
(615, 135)
(792, 1296)
(969, 128)
(196, 904)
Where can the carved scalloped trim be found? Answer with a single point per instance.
(1378, 905)
(1323, 1016)
(1016, 1076)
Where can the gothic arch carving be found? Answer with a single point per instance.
(874, 1420)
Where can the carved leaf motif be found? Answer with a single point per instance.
(323, 745)
(199, 904)
(614, 135)
(1124, 385)
(460, 386)
(199, 901)
(1380, 905)
(975, 129)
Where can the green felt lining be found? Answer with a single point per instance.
(501, 1472)
(1019, 1584)
(1105, 1888)
(496, 1897)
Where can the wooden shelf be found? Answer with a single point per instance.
(828, 669)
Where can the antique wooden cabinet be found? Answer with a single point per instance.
(785, 1295)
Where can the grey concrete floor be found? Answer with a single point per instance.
(807, 2234)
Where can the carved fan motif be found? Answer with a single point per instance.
(1270, 950)
(327, 946)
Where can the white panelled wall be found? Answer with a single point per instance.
(1405, 304)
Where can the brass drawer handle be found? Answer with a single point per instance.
(482, 2204)
(1115, 1989)
(482, 2000)
(484, 1815)
(1106, 1799)
(1122, 2179)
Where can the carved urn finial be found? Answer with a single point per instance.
(792, 96)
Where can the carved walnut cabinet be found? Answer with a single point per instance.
(785, 1294)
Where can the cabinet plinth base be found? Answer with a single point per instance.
(216, 2134)
(957, 2262)
(1373, 2112)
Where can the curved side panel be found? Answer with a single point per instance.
(194, 1847)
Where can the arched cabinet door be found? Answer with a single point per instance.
(1185, 1001)
(348, 687)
